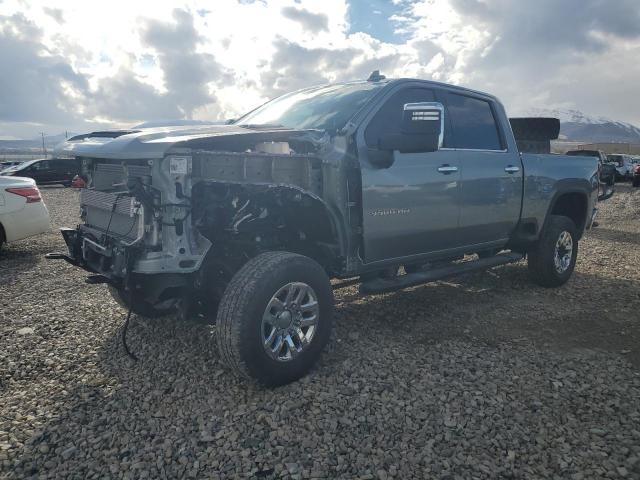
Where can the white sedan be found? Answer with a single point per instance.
(22, 211)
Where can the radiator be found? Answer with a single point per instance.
(100, 212)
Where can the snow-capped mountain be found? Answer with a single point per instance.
(579, 127)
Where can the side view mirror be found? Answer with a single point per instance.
(422, 129)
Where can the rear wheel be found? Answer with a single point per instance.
(137, 305)
(553, 258)
(275, 318)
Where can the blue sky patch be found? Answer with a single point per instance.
(372, 17)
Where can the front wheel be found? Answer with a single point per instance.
(552, 260)
(275, 318)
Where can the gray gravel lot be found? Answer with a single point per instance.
(486, 376)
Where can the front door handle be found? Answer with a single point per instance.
(512, 169)
(447, 169)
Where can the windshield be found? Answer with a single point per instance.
(324, 108)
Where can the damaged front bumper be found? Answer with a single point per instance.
(116, 264)
(93, 257)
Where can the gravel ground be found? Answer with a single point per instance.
(487, 376)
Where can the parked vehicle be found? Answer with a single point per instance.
(623, 165)
(47, 171)
(607, 170)
(635, 161)
(635, 179)
(245, 224)
(22, 211)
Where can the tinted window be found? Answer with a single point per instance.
(389, 118)
(473, 124)
(63, 165)
(46, 165)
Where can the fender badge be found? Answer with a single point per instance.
(383, 212)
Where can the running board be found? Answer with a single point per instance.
(382, 285)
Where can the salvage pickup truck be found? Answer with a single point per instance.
(253, 224)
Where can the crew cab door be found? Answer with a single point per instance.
(410, 202)
(490, 167)
(41, 171)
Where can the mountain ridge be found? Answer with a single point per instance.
(576, 126)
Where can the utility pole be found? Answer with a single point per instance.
(44, 150)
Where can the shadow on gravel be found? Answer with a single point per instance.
(177, 409)
(503, 306)
(491, 308)
(18, 258)
(618, 236)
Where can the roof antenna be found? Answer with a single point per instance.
(375, 76)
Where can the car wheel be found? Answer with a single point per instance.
(275, 318)
(552, 260)
(138, 306)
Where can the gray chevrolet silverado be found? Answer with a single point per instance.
(252, 224)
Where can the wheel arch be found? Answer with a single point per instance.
(271, 217)
(573, 204)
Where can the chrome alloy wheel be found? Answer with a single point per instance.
(290, 321)
(563, 253)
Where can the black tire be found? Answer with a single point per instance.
(239, 321)
(636, 182)
(139, 307)
(541, 258)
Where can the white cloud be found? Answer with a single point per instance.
(236, 54)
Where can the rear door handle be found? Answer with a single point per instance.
(447, 169)
(512, 169)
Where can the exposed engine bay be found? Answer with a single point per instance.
(166, 218)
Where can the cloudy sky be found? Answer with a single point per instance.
(84, 65)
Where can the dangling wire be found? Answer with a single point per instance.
(125, 328)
